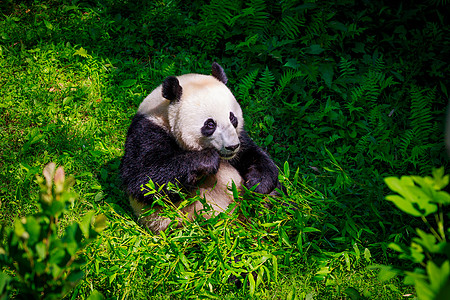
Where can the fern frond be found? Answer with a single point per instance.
(266, 82)
(247, 82)
(370, 89)
(419, 155)
(168, 70)
(346, 68)
(330, 105)
(368, 92)
(376, 76)
(310, 72)
(362, 144)
(405, 142)
(259, 17)
(375, 116)
(421, 118)
(285, 79)
(215, 20)
(379, 65)
(316, 26)
(334, 137)
(290, 26)
(388, 82)
(254, 17)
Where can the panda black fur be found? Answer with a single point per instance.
(189, 131)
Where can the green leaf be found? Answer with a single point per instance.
(442, 198)
(440, 181)
(310, 229)
(397, 185)
(235, 191)
(19, 229)
(100, 223)
(286, 169)
(353, 293)
(33, 228)
(291, 295)
(404, 205)
(314, 49)
(438, 276)
(357, 251)
(292, 63)
(96, 295)
(128, 83)
(327, 72)
(75, 277)
(427, 241)
(415, 201)
(283, 236)
(72, 238)
(275, 267)
(41, 250)
(268, 140)
(396, 247)
(85, 223)
(300, 243)
(4, 283)
(81, 52)
(57, 256)
(424, 290)
(386, 273)
(367, 254)
(252, 283)
(296, 176)
(112, 277)
(48, 25)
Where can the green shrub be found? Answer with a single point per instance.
(45, 262)
(422, 197)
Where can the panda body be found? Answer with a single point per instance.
(189, 131)
(215, 189)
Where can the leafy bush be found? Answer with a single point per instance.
(422, 197)
(46, 264)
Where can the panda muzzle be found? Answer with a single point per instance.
(230, 151)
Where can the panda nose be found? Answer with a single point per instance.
(232, 148)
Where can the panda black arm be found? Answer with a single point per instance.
(151, 153)
(255, 166)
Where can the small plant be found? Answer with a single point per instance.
(421, 197)
(46, 264)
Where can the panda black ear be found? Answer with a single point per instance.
(171, 89)
(219, 73)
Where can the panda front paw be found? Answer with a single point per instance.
(266, 181)
(208, 163)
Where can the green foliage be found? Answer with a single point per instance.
(248, 253)
(349, 93)
(206, 256)
(420, 197)
(47, 265)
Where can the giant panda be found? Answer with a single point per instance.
(190, 131)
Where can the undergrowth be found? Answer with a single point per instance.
(348, 93)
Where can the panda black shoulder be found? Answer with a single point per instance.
(145, 139)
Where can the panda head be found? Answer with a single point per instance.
(203, 112)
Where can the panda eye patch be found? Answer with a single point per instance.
(233, 120)
(209, 127)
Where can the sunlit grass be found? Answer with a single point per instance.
(68, 94)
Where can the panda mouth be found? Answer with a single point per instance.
(227, 155)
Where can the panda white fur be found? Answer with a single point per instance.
(189, 131)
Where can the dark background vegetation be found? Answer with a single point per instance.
(348, 92)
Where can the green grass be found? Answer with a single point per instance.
(73, 74)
